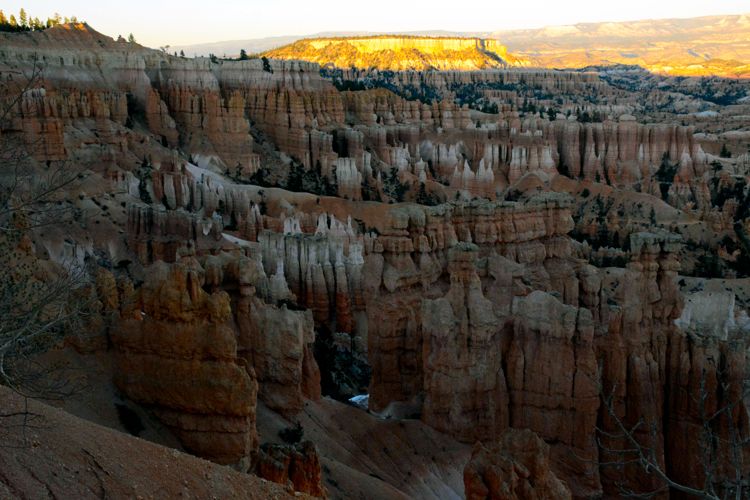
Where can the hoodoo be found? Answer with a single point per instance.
(374, 266)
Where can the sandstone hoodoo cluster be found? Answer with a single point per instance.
(549, 266)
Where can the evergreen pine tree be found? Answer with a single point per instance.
(296, 175)
(131, 38)
(423, 197)
(266, 65)
(332, 184)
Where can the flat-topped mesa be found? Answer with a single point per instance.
(393, 52)
(205, 108)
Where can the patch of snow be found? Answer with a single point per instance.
(240, 242)
(709, 313)
(199, 172)
(209, 162)
(361, 401)
(707, 114)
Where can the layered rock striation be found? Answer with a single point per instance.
(201, 358)
(176, 351)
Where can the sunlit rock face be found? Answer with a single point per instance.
(402, 53)
(720, 38)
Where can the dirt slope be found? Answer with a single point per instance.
(58, 455)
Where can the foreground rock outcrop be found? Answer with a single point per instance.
(201, 359)
(517, 466)
(178, 354)
(297, 465)
(62, 455)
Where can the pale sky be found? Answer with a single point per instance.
(155, 23)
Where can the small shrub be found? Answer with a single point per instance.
(292, 435)
(129, 419)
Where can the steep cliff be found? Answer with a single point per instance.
(177, 352)
(201, 358)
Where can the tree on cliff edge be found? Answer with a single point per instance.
(40, 301)
(721, 443)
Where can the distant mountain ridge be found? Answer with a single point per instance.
(713, 45)
(717, 45)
